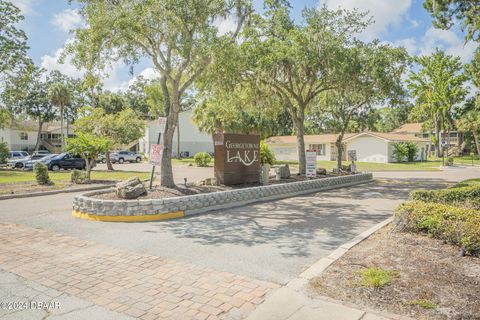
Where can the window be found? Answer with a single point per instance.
(319, 147)
(23, 136)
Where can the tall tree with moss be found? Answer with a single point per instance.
(370, 74)
(438, 87)
(295, 62)
(177, 36)
(27, 94)
(447, 12)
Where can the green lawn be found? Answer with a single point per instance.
(465, 160)
(9, 176)
(362, 166)
(370, 166)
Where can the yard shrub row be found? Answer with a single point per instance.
(456, 225)
(464, 197)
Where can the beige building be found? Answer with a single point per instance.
(368, 146)
(453, 140)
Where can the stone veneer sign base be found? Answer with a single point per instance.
(86, 207)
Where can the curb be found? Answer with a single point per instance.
(47, 193)
(141, 218)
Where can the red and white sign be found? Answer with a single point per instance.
(156, 152)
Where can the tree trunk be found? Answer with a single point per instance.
(40, 125)
(166, 168)
(300, 126)
(61, 128)
(339, 145)
(438, 151)
(88, 167)
(477, 143)
(178, 139)
(108, 161)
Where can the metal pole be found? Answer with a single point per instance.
(153, 168)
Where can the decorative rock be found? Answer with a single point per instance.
(130, 189)
(282, 172)
(321, 171)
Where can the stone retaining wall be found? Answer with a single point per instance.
(86, 206)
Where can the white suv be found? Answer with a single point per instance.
(122, 156)
(14, 155)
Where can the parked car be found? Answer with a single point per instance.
(65, 161)
(21, 163)
(12, 155)
(122, 156)
(42, 152)
(43, 158)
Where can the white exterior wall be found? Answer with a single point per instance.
(191, 139)
(284, 151)
(12, 137)
(289, 151)
(369, 149)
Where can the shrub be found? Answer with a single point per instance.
(41, 173)
(266, 154)
(400, 151)
(3, 152)
(465, 196)
(412, 150)
(202, 159)
(450, 161)
(456, 225)
(405, 151)
(78, 177)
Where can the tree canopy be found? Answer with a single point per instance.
(177, 36)
(447, 12)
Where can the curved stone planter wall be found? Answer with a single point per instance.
(86, 207)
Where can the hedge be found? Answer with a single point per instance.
(456, 225)
(465, 197)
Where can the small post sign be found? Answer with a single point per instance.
(311, 163)
(156, 152)
(352, 155)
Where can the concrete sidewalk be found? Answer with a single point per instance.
(293, 301)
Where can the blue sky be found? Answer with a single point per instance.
(400, 22)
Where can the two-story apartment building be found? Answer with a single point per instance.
(22, 135)
(454, 140)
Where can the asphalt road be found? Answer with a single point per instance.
(272, 241)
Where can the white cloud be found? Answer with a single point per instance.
(410, 44)
(113, 84)
(66, 20)
(25, 6)
(51, 62)
(384, 12)
(446, 40)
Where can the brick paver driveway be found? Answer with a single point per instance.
(139, 285)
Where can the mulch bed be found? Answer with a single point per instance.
(180, 190)
(427, 269)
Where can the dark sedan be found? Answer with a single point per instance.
(65, 161)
